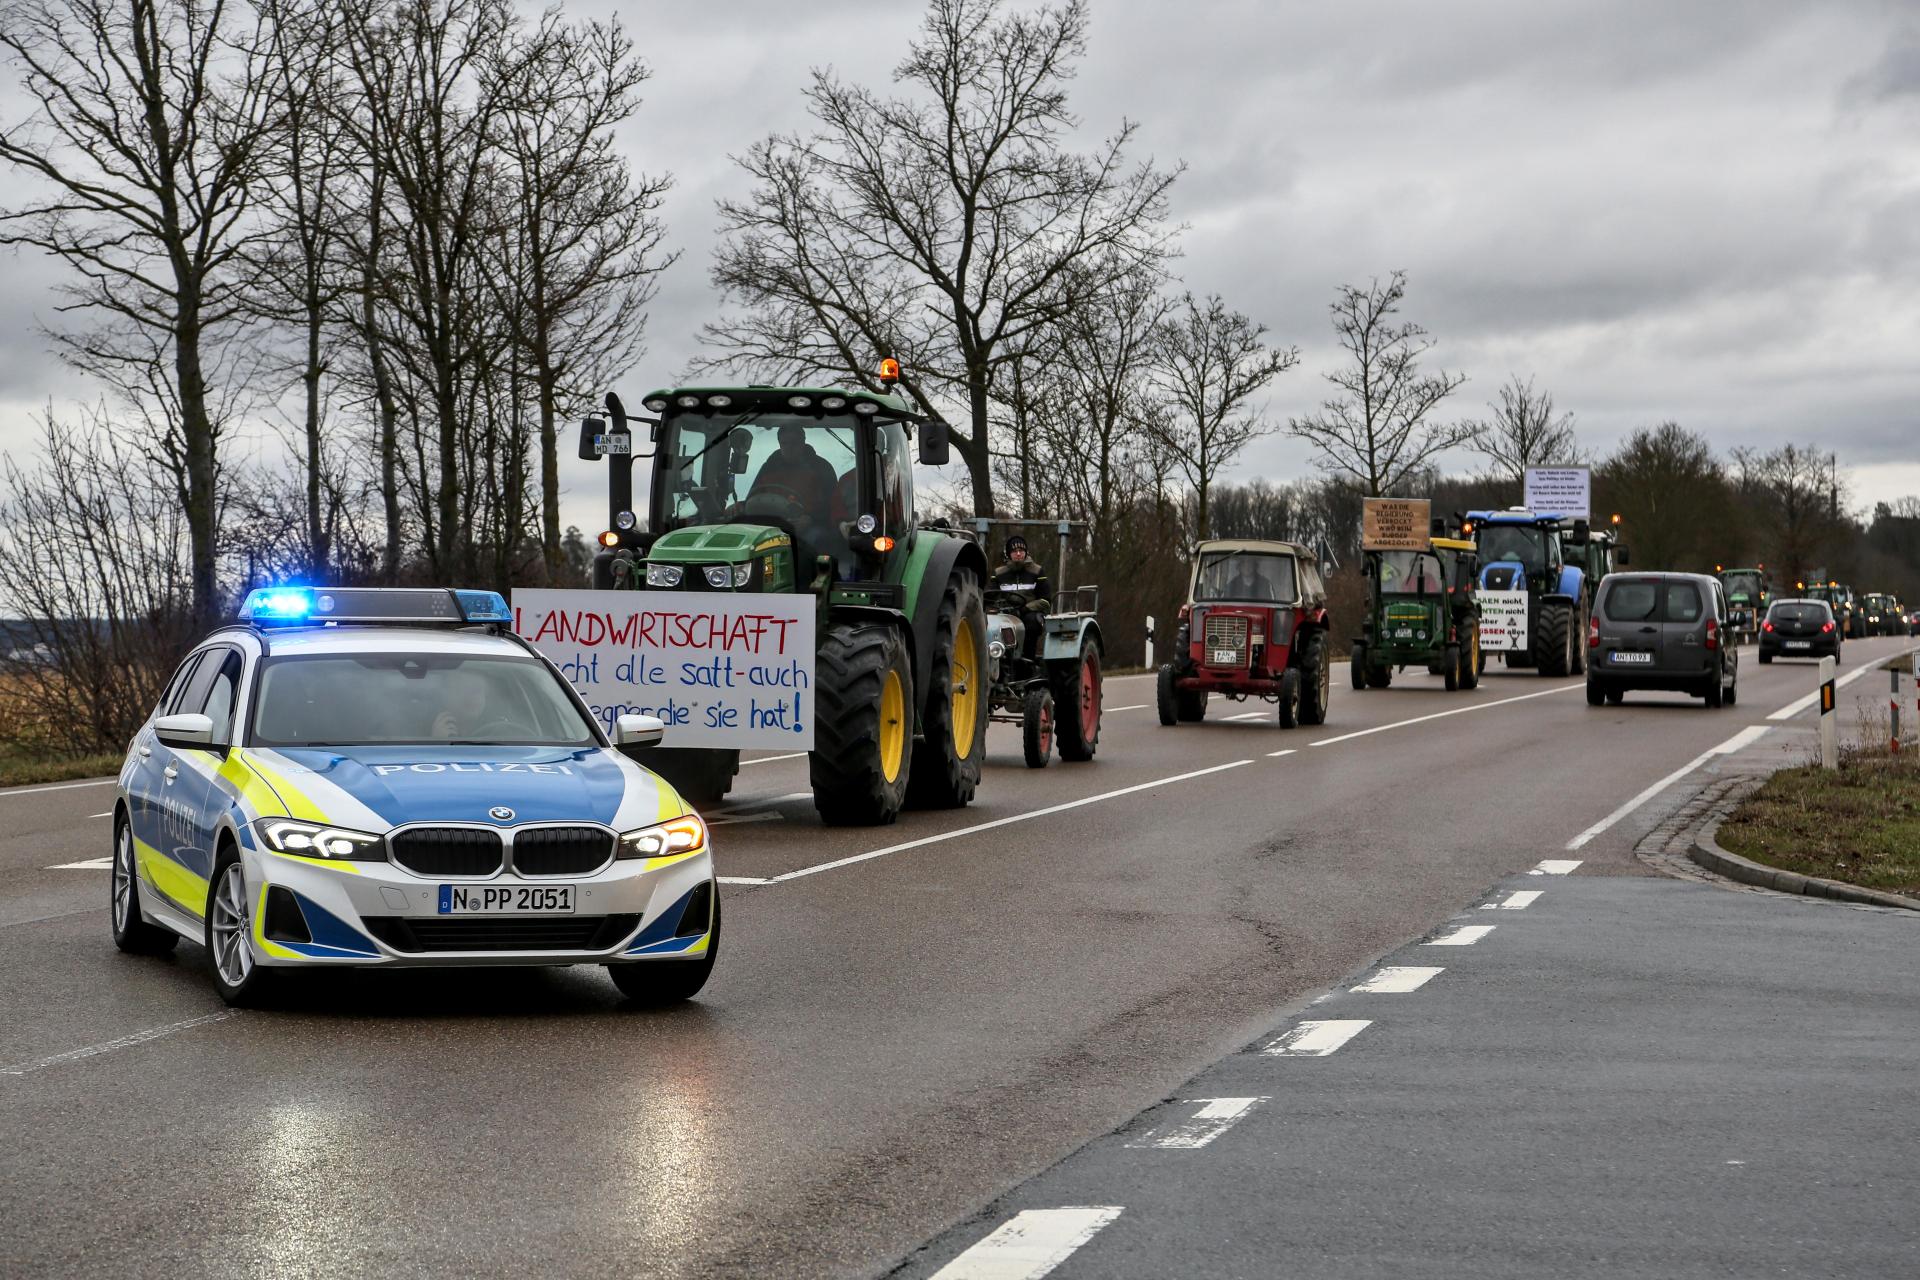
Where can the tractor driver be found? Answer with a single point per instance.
(796, 469)
(1023, 576)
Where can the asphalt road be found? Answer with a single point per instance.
(889, 1043)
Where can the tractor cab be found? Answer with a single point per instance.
(1255, 625)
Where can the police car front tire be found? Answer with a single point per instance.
(659, 983)
(131, 932)
(237, 973)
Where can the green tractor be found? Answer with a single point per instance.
(1420, 612)
(1748, 594)
(810, 490)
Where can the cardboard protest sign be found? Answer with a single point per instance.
(1394, 524)
(1503, 621)
(720, 670)
(1567, 490)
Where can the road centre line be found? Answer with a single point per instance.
(1275, 755)
(1002, 822)
(1519, 901)
(1800, 704)
(1316, 1039)
(1555, 867)
(102, 863)
(795, 755)
(741, 879)
(122, 1042)
(1441, 715)
(1138, 706)
(1465, 936)
(1214, 1117)
(1749, 734)
(1029, 1244)
(64, 786)
(1394, 978)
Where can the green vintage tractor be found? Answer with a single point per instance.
(810, 490)
(1420, 612)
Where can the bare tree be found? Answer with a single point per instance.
(1673, 497)
(947, 229)
(146, 123)
(1524, 432)
(1379, 430)
(1210, 365)
(1799, 489)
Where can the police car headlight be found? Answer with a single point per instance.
(664, 575)
(315, 840)
(663, 840)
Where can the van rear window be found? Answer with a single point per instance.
(1630, 599)
(1683, 603)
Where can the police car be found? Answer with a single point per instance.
(390, 777)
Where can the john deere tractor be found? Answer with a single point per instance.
(810, 490)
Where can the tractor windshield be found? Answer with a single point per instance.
(1409, 573)
(796, 469)
(1246, 575)
(1743, 588)
(1514, 542)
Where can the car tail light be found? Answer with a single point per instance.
(1826, 628)
(1766, 626)
(1593, 633)
(1713, 633)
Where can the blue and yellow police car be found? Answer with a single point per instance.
(390, 777)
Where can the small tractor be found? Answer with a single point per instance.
(1538, 575)
(1748, 594)
(810, 490)
(1421, 611)
(1255, 624)
(1045, 667)
(1884, 617)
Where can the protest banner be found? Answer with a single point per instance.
(1394, 524)
(1567, 490)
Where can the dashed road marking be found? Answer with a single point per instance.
(794, 755)
(1275, 755)
(1029, 1244)
(741, 879)
(102, 863)
(1316, 1039)
(1213, 1117)
(1465, 936)
(1132, 706)
(1395, 978)
(108, 1046)
(1248, 715)
(1519, 900)
(1441, 715)
(1749, 734)
(1555, 867)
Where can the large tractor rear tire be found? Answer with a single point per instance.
(863, 730)
(1316, 677)
(1553, 650)
(1076, 702)
(946, 762)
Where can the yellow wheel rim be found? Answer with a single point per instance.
(965, 693)
(893, 726)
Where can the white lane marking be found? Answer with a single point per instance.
(1214, 1117)
(1003, 822)
(1519, 901)
(743, 806)
(1396, 978)
(108, 1046)
(1275, 755)
(1244, 715)
(1316, 1039)
(796, 755)
(64, 786)
(1465, 936)
(1800, 704)
(1137, 706)
(102, 863)
(107, 814)
(741, 879)
(1555, 867)
(1029, 1244)
(721, 820)
(1749, 734)
(1441, 715)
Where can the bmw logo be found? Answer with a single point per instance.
(500, 813)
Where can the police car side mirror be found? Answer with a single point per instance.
(188, 729)
(636, 731)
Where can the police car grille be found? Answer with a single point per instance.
(1224, 635)
(560, 851)
(501, 933)
(447, 851)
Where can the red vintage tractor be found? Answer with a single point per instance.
(1254, 625)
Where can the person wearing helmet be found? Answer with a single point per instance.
(1022, 575)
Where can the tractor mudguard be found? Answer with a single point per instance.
(1572, 582)
(1571, 601)
(929, 565)
(1063, 643)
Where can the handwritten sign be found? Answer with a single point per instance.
(1503, 621)
(1567, 490)
(1394, 524)
(719, 670)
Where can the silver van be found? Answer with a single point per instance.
(1661, 631)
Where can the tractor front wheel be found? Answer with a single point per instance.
(1290, 698)
(1472, 661)
(1177, 706)
(863, 731)
(1450, 668)
(1553, 651)
(1379, 677)
(1036, 727)
(1357, 667)
(1076, 699)
(1316, 679)
(946, 762)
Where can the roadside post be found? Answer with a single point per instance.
(1150, 665)
(1893, 704)
(1829, 747)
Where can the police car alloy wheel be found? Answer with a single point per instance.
(131, 932)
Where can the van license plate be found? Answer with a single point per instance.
(506, 899)
(1621, 655)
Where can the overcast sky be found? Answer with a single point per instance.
(1701, 211)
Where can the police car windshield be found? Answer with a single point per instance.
(1514, 542)
(378, 699)
(1246, 575)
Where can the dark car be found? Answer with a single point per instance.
(1664, 631)
(1800, 628)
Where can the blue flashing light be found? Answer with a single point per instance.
(483, 606)
(277, 604)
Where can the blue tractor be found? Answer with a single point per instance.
(1538, 574)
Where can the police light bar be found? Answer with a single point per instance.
(313, 606)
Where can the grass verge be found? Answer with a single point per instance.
(20, 768)
(1859, 823)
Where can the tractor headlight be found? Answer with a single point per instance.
(317, 840)
(723, 576)
(663, 840)
(866, 524)
(664, 575)
(996, 649)
(624, 520)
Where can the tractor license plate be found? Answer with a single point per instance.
(1225, 657)
(506, 899)
(1403, 633)
(1622, 655)
(1799, 644)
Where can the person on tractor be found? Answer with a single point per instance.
(1023, 575)
(796, 469)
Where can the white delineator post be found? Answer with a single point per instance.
(1150, 642)
(1893, 704)
(1829, 746)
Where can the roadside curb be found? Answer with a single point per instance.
(1706, 851)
